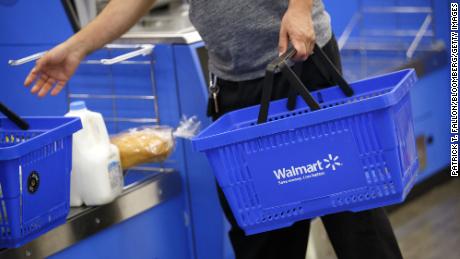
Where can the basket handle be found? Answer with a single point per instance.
(321, 61)
(22, 124)
(325, 65)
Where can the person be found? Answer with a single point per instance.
(241, 37)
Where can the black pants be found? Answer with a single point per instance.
(366, 234)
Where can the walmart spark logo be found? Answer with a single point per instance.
(332, 162)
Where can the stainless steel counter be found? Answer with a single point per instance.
(171, 25)
(86, 221)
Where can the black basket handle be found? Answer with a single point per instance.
(325, 66)
(22, 124)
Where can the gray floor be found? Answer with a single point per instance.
(426, 228)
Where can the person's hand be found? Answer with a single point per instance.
(297, 28)
(54, 69)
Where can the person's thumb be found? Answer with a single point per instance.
(36, 71)
(283, 41)
(42, 62)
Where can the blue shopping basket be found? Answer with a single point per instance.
(35, 167)
(345, 148)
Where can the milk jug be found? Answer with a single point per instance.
(97, 177)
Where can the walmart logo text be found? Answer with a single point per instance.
(330, 161)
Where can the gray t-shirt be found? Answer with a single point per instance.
(242, 35)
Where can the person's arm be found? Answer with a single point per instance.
(57, 66)
(297, 28)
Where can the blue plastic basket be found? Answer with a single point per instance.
(35, 170)
(353, 154)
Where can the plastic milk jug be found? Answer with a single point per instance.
(97, 177)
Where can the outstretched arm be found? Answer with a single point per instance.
(57, 66)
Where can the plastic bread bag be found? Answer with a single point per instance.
(149, 144)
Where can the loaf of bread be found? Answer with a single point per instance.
(144, 145)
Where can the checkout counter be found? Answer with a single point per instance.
(377, 37)
(167, 210)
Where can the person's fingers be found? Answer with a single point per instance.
(283, 41)
(47, 87)
(59, 86)
(31, 77)
(301, 50)
(39, 83)
(309, 47)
